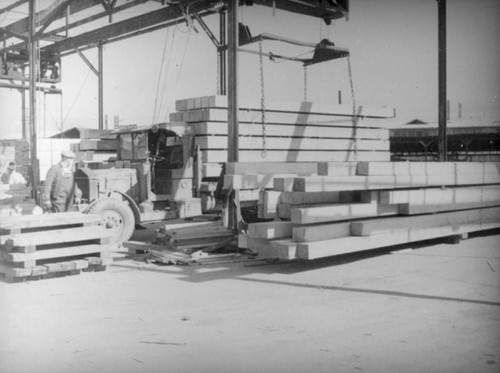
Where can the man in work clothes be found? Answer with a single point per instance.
(12, 176)
(60, 188)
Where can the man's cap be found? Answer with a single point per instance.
(68, 154)
(12, 165)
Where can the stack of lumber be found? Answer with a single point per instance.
(382, 204)
(52, 245)
(295, 132)
(188, 242)
(95, 150)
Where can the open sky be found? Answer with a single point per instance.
(394, 58)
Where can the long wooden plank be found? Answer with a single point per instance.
(386, 226)
(331, 183)
(57, 236)
(298, 168)
(345, 245)
(311, 155)
(289, 143)
(442, 196)
(283, 106)
(252, 181)
(248, 116)
(58, 253)
(89, 144)
(48, 220)
(270, 230)
(337, 168)
(337, 212)
(321, 232)
(324, 130)
(414, 168)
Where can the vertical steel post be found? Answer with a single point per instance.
(101, 86)
(233, 130)
(232, 107)
(222, 52)
(442, 137)
(35, 171)
(25, 130)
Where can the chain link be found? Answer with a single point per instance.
(305, 83)
(262, 103)
(354, 113)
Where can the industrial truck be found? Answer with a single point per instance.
(156, 176)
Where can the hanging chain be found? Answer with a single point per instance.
(305, 83)
(354, 114)
(262, 102)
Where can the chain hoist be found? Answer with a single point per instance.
(354, 113)
(263, 154)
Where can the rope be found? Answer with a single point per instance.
(263, 154)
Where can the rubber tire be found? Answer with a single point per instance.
(121, 214)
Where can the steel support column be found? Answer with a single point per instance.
(100, 77)
(35, 171)
(222, 52)
(233, 130)
(442, 137)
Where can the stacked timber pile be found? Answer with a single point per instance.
(352, 207)
(188, 242)
(285, 132)
(95, 150)
(51, 245)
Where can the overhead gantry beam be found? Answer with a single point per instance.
(172, 12)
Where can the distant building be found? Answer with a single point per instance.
(467, 141)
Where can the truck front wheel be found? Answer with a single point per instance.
(115, 215)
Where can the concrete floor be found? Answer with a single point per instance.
(431, 309)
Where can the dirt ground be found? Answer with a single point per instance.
(427, 309)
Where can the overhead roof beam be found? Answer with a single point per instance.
(52, 35)
(22, 26)
(120, 28)
(327, 10)
(50, 15)
(12, 6)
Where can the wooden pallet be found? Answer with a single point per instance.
(51, 245)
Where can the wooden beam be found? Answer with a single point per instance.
(387, 226)
(312, 233)
(305, 108)
(331, 183)
(220, 156)
(270, 230)
(338, 212)
(345, 245)
(289, 143)
(305, 168)
(290, 130)
(58, 253)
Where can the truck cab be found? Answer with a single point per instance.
(151, 179)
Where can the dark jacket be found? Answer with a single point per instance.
(59, 188)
